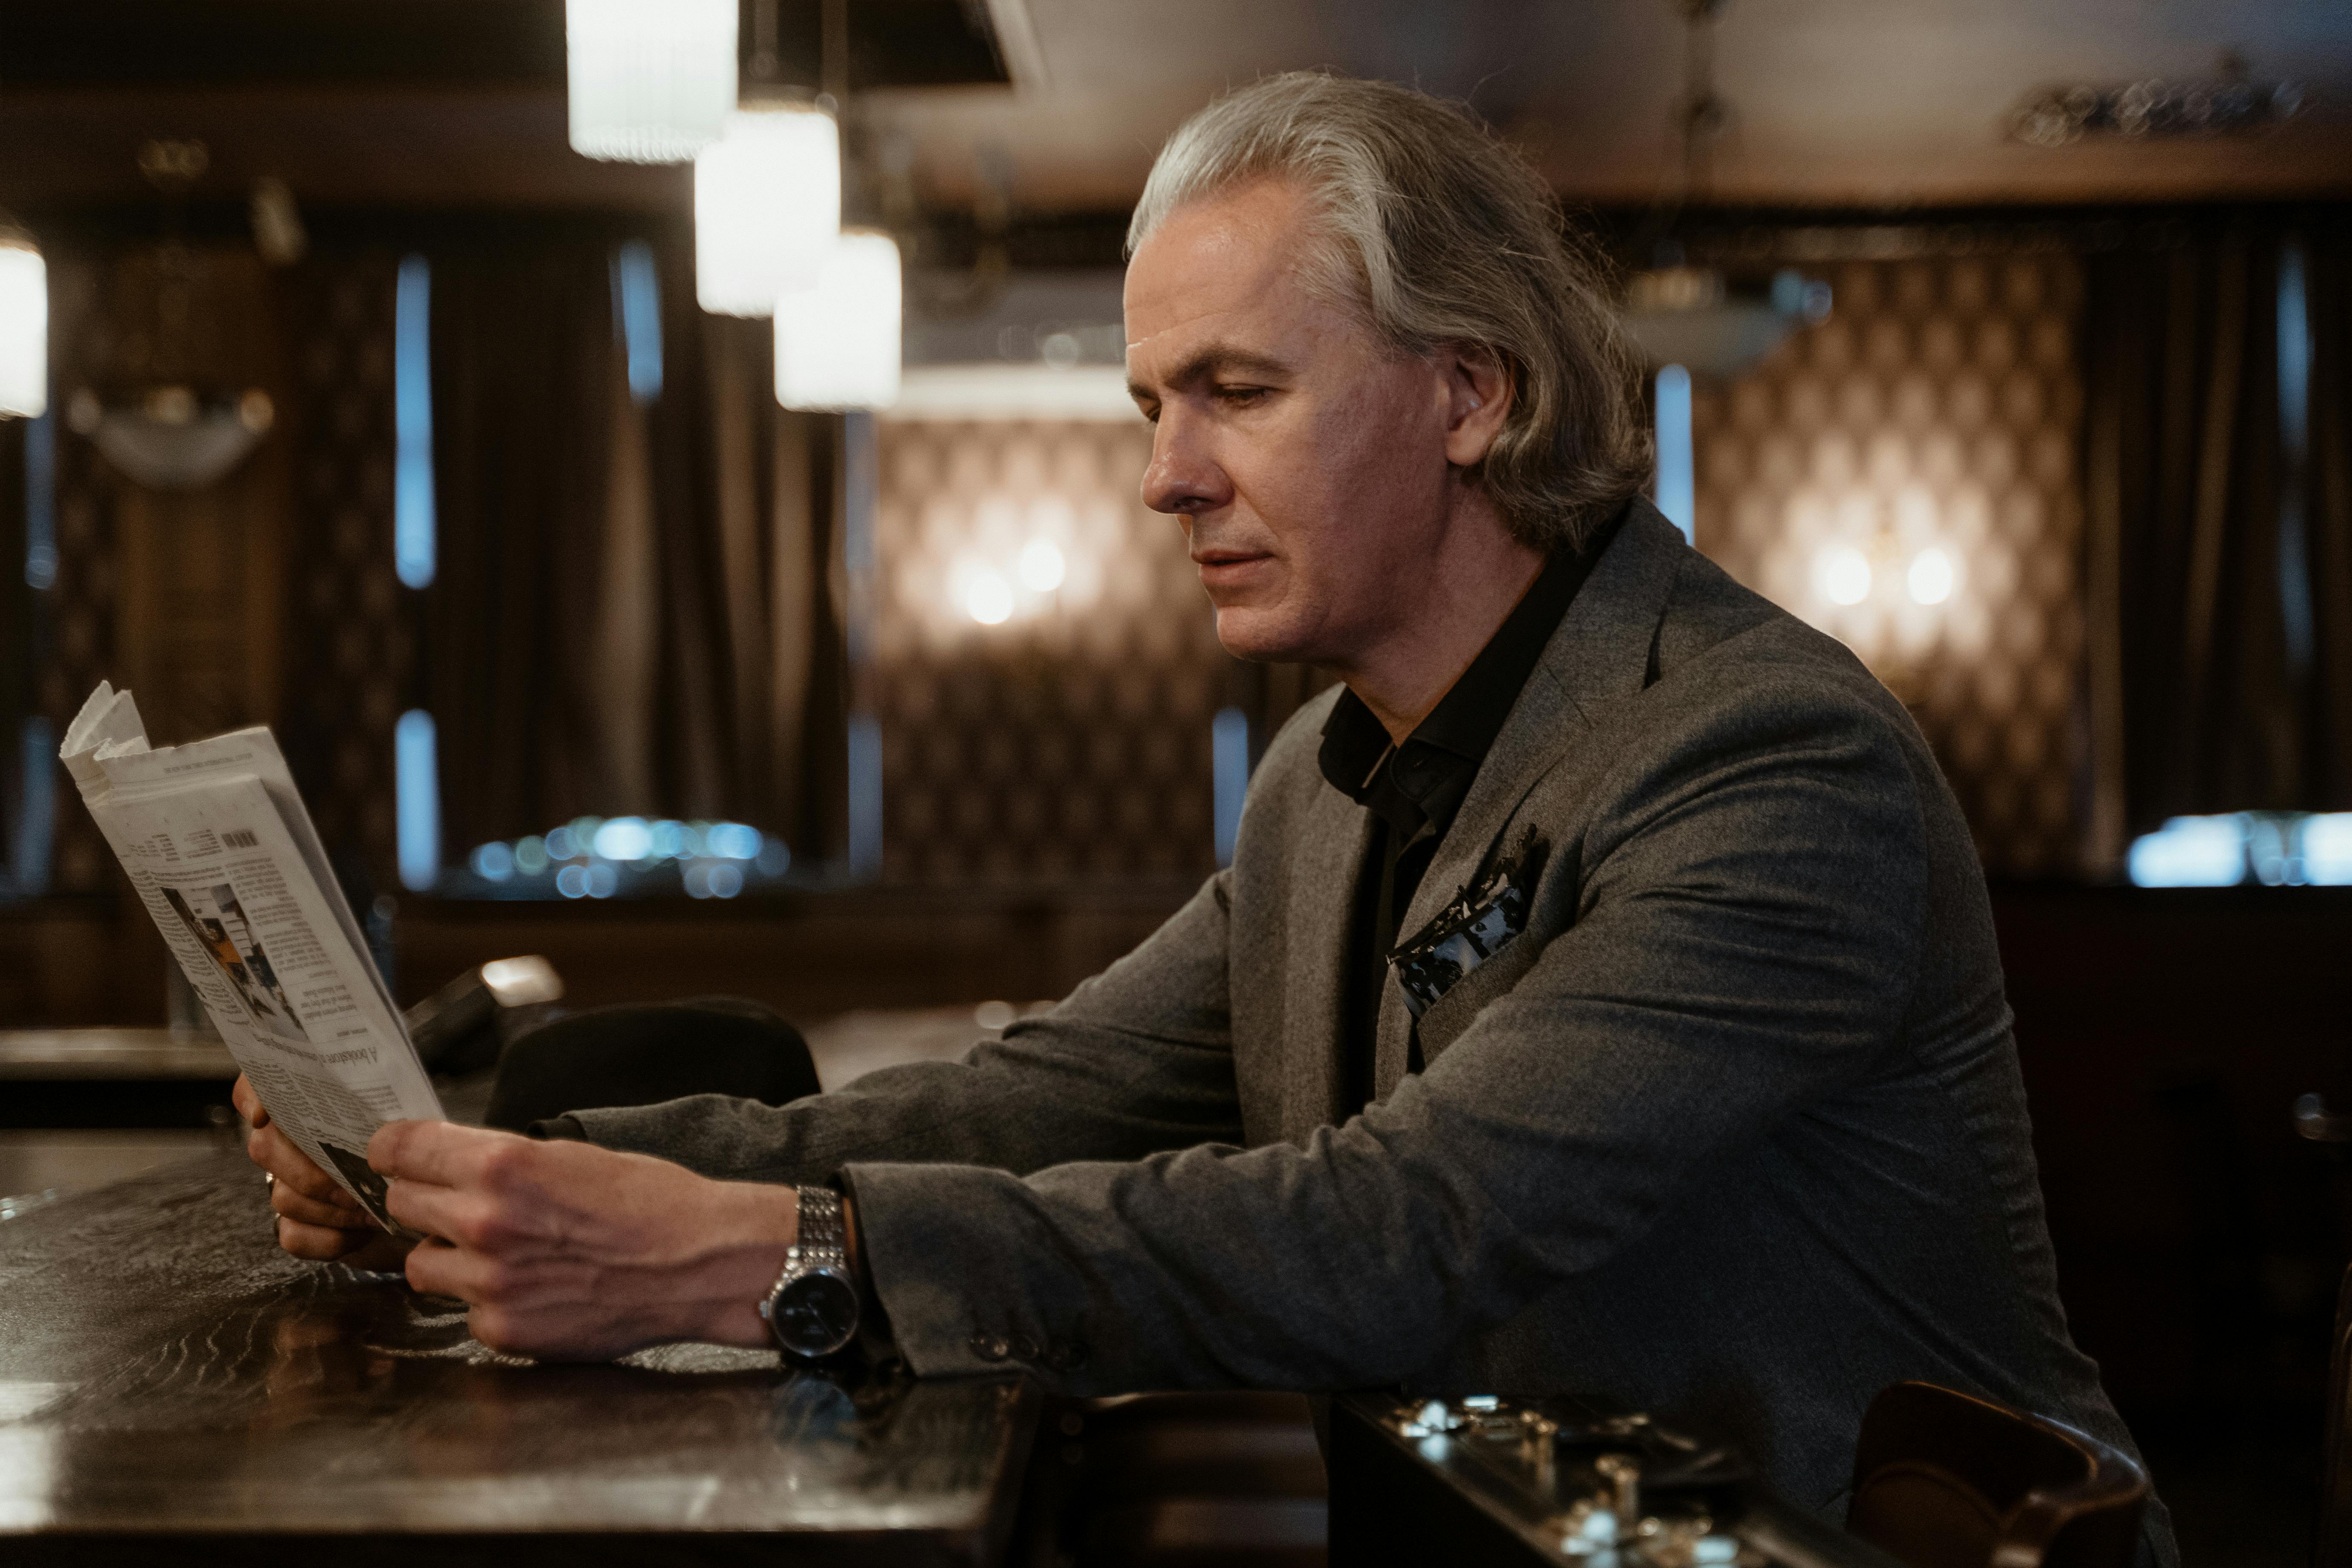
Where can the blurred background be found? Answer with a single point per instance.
(725, 574)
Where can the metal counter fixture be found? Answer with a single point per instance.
(1495, 1480)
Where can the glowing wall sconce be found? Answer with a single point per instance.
(23, 324)
(992, 591)
(837, 340)
(988, 598)
(1930, 577)
(651, 81)
(1846, 575)
(1042, 567)
(989, 595)
(767, 207)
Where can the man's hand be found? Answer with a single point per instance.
(316, 1218)
(566, 1251)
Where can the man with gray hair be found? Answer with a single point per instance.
(1603, 997)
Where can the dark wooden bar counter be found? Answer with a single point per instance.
(174, 1389)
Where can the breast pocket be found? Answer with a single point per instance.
(1444, 1019)
(1479, 945)
(1458, 942)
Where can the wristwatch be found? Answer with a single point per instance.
(812, 1309)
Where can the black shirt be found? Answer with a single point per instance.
(1414, 789)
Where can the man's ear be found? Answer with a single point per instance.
(1478, 398)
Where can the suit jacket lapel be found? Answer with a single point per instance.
(1326, 869)
(1601, 653)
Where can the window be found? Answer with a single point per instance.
(414, 545)
(2274, 849)
(1677, 483)
(29, 746)
(2277, 849)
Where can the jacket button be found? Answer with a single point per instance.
(988, 1349)
(1023, 1348)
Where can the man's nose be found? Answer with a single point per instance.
(1183, 478)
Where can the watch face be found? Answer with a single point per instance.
(816, 1314)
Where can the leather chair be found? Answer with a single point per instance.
(2333, 1543)
(2333, 1548)
(1944, 1479)
(644, 1054)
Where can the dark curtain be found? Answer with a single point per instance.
(523, 368)
(2327, 488)
(746, 713)
(2220, 664)
(628, 587)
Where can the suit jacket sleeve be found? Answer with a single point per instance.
(1745, 934)
(1137, 1059)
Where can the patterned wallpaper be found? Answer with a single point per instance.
(316, 496)
(1938, 410)
(1067, 736)
(1069, 739)
(1936, 413)
(1928, 433)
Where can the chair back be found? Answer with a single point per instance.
(2334, 1548)
(643, 1054)
(1944, 1479)
(2313, 1120)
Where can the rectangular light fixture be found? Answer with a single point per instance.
(650, 81)
(23, 326)
(767, 207)
(837, 340)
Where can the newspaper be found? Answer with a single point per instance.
(220, 849)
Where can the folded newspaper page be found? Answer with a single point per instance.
(219, 846)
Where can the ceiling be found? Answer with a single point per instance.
(1869, 103)
(1845, 102)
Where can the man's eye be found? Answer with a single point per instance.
(1243, 395)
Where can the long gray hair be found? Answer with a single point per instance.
(1438, 233)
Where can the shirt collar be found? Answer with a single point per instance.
(1432, 770)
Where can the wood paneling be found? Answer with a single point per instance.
(808, 957)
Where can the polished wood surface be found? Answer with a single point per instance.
(174, 1389)
(41, 1055)
(113, 1079)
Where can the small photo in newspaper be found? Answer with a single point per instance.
(216, 919)
(371, 1189)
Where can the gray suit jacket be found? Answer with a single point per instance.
(1733, 1131)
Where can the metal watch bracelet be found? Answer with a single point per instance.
(821, 1248)
(823, 1241)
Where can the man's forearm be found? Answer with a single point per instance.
(1136, 1061)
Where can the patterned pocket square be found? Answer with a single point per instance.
(1480, 923)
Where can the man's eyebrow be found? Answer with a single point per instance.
(1214, 357)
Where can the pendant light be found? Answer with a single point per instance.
(181, 424)
(837, 340)
(767, 206)
(1679, 315)
(838, 334)
(651, 81)
(23, 324)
